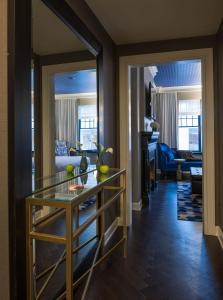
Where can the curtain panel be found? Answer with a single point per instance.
(164, 109)
(65, 116)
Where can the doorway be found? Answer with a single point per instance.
(206, 57)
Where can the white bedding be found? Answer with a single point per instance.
(62, 161)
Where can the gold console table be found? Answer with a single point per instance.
(65, 198)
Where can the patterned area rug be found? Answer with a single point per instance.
(188, 208)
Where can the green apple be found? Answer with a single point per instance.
(69, 168)
(104, 169)
(102, 177)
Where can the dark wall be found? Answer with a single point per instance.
(19, 138)
(107, 105)
(219, 124)
(167, 45)
(62, 58)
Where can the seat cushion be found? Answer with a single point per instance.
(171, 165)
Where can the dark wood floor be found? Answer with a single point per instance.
(48, 254)
(167, 258)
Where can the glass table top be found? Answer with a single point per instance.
(70, 190)
(58, 178)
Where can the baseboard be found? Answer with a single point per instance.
(137, 205)
(220, 235)
(110, 231)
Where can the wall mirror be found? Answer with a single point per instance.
(64, 115)
(64, 95)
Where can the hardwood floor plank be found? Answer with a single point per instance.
(167, 258)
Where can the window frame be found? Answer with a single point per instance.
(95, 122)
(193, 117)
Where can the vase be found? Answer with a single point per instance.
(98, 165)
(99, 162)
(83, 164)
(84, 179)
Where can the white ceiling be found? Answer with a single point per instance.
(50, 34)
(132, 21)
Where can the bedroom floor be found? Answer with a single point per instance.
(167, 258)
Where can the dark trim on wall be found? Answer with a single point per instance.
(68, 16)
(38, 155)
(62, 58)
(166, 45)
(19, 138)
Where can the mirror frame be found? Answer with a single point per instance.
(19, 120)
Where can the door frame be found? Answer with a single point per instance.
(48, 108)
(206, 56)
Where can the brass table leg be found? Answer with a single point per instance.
(102, 225)
(77, 223)
(69, 253)
(101, 219)
(29, 247)
(98, 220)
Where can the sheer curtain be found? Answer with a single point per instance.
(164, 109)
(65, 114)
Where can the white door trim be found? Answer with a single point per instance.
(48, 108)
(206, 55)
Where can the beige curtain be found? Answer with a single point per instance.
(65, 119)
(164, 109)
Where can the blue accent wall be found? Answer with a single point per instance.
(178, 73)
(83, 81)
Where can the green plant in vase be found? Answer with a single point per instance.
(83, 162)
(102, 151)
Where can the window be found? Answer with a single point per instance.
(88, 133)
(87, 116)
(189, 125)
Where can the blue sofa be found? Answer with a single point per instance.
(166, 156)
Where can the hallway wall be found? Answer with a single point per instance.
(139, 78)
(135, 133)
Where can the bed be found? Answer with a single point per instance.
(62, 161)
